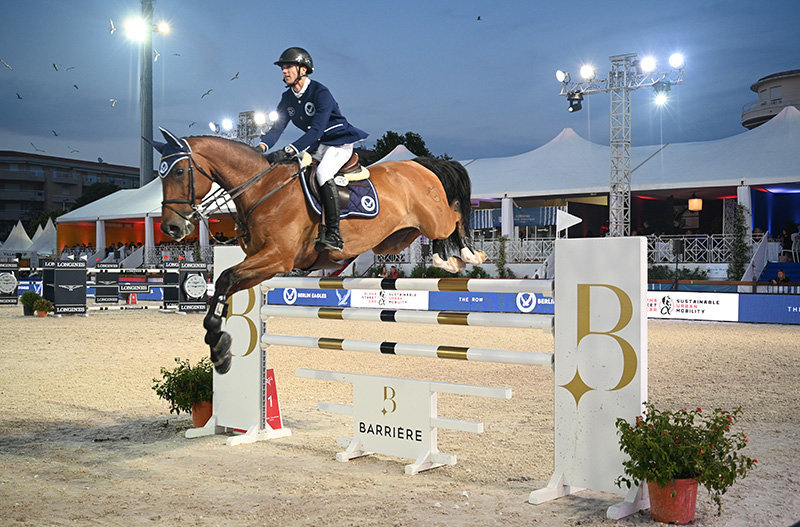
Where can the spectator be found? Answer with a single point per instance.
(393, 273)
(782, 278)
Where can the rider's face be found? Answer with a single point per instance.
(291, 72)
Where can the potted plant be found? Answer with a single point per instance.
(27, 299)
(676, 451)
(42, 306)
(187, 388)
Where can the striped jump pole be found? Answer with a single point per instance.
(453, 318)
(527, 358)
(457, 285)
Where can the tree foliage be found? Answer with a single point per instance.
(411, 140)
(42, 220)
(740, 252)
(94, 192)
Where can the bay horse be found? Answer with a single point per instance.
(277, 226)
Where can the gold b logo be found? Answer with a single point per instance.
(577, 387)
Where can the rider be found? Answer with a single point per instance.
(328, 136)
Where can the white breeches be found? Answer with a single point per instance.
(331, 159)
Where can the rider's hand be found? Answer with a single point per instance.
(279, 156)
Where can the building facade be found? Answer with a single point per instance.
(775, 92)
(31, 184)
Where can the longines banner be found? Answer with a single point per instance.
(693, 306)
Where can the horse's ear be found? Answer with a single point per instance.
(172, 140)
(156, 144)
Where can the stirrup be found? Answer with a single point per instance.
(328, 241)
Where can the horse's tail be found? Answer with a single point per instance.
(458, 188)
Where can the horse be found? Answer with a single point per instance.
(277, 226)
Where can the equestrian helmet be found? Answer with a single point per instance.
(297, 56)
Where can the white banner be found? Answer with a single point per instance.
(693, 306)
(389, 299)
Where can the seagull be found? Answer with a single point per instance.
(177, 54)
(478, 18)
(6, 65)
(193, 123)
(76, 86)
(111, 27)
(54, 133)
(156, 54)
(34, 147)
(235, 76)
(206, 93)
(55, 67)
(67, 68)
(73, 151)
(113, 102)
(18, 95)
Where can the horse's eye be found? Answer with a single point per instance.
(179, 172)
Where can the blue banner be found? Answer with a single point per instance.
(769, 309)
(437, 300)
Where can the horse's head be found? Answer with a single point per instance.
(182, 187)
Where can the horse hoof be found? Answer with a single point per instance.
(221, 356)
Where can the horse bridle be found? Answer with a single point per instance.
(201, 210)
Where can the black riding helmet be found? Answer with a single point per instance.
(297, 56)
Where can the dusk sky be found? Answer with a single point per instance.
(470, 87)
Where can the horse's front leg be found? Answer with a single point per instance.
(218, 340)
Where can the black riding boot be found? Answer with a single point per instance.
(329, 237)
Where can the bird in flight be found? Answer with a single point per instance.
(6, 65)
(73, 151)
(235, 76)
(156, 54)
(113, 102)
(478, 18)
(193, 123)
(37, 149)
(111, 27)
(54, 133)
(67, 68)
(206, 93)
(18, 95)
(76, 86)
(55, 67)
(177, 54)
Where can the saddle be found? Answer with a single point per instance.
(351, 171)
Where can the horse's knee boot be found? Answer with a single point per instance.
(329, 237)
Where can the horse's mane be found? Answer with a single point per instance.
(455, 180)
(238, 144)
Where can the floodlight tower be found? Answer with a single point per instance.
(626, 74)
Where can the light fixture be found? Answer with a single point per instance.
(574, 98)
(214, 127)
(662, 89)
(648, 64)
(259, 119)
(562, 76)
(695, 203)
(676, 60)
(587, 72)
(227, 125)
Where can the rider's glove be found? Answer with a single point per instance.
(282, 156)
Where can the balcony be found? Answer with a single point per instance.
(759, 112)
(22, 195)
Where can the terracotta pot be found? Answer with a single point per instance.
(678, 508)
(41, 313)
(201, 413)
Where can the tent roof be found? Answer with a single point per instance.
(46, 242)
(17, 241)
(569, 164)
(122, 204)
(398, 153)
